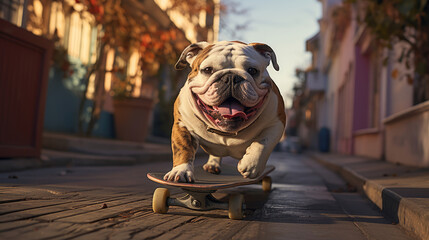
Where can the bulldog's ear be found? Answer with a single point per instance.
(267, 52)
(188, 55)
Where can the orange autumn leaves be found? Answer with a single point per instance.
(157, 45)
(124, 32)
(395, 74)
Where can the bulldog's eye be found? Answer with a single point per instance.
(252, 71)
(208, 70)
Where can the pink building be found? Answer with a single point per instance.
(350, 91)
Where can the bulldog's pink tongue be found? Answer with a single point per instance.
(232, 108)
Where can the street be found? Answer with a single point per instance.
(97, 94)
(307, 202)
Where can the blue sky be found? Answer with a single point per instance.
(284, 25)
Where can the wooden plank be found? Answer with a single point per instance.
(24, 205)
(127, 216)
(12, 207)
(55, 230)
(31, 213)
(103, 193)
(7, 198)
(50, 213)
(35, 193)
(251, 231)
(115, 228)
(9, 226)
(96, 213)
(119, 227)
(165, 227)
(151, 226)
(86, 208)
(58, 192)
(128, 229)
(41, 231)
(95, 230)
(70, 189)
(99, 201)
(214, 228)
(129, 220)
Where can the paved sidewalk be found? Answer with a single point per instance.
(399, 191)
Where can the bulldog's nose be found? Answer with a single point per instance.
(231, 78)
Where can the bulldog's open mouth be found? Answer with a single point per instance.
(230, 114)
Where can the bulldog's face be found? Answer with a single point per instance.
(229, 81)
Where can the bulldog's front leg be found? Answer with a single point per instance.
(254, 160)
(184, 146)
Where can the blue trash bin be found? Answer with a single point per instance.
(324, 139)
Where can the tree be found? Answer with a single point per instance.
(124, 32)
(123, 27)
(392, 21)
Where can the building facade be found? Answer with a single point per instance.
(79, 98)
(351, 89)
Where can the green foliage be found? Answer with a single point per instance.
(397, 20)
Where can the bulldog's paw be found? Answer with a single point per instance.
(249, 168)
(212, 168)
(213, 165)
(181, 173)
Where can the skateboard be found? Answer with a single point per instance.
(199, 193)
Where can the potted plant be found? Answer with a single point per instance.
(121, 31)
(132, 109)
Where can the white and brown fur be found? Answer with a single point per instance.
(253, 142)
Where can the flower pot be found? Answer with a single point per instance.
(132, 118)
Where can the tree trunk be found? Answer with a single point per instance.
(98, 68)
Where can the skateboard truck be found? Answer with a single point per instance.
(200, 201)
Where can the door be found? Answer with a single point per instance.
(24, 66)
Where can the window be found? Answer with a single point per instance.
(123, 73)
(12, 11)
(57, 20)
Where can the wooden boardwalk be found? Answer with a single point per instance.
(114, 202)
(58, 212)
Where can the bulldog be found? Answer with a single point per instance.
(229, 106)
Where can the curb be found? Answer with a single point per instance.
(52, 158)
(407, 213)
(12, 165)
(100, 146)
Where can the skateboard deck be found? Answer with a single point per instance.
(199, 193)
(229, 177)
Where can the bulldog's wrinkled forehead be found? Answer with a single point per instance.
(231, 54)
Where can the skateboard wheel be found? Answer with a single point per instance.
(159, 201)
(266, 184)
(236, 206)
